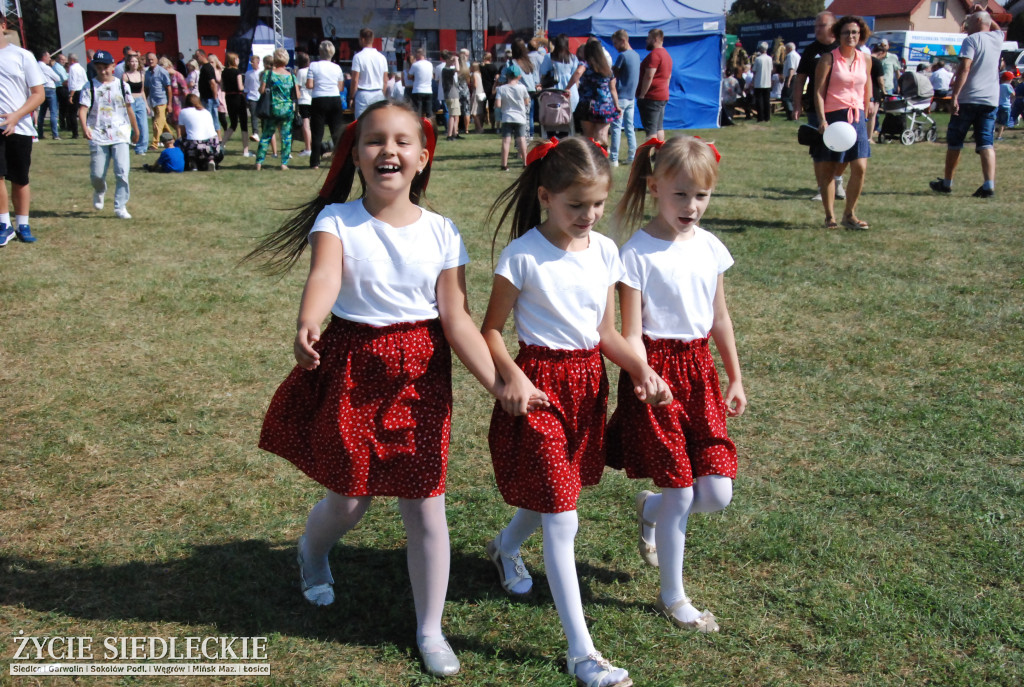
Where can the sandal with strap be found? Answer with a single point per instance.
(600, 673)
(648, 551)
(516, 559)
(316, 594)
(705, 624)
(831, 224)
(854, 223)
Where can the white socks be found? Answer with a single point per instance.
(670, 510)
(560, 564)
(428, 554)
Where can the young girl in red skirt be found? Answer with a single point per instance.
(367, 411)
(547, 428)
(672, 298)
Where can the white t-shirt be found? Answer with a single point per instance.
(515, 107)
(422, 73)
(252, 84)
(372, 66)
(941, 79)
(677, 281)
(790, 64)
(562, 294)
(325, 75)
(19, 72)
(198, 124)
(108, 118)
(77, 78)
(305, 95)
(389, 274)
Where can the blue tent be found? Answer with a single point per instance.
(693, 38)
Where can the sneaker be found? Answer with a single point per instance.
(817, 196)
(305, 153)
(122, 213)
(24, 234)
(615, 163)
(983, 192)
(247, 154)
(939, 187)
(840, 192)
(58, 138)
(6, 234)
(97, 200)
(255, 138)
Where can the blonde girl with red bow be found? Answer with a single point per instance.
(672, 299)
(367, 410)
(557, 277)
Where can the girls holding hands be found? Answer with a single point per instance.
(367, 410)
(671, 300)
(557, 277)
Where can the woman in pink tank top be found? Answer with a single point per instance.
(842, 91)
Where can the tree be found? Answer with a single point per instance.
(40, 19)
(755, 11)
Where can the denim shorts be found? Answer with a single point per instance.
(1003, 115)
(981, 117)
(513, 130)
(860, 149)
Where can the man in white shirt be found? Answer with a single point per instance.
(252, 93)
(368, 69)
(21, 92)
(762, 83)
(941, 78)
(422, 73)
(50, 103)
(76, 82)
(789, 65)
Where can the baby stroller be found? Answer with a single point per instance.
(554, 112)
(906, 116)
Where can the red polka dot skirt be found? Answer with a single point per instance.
(375, 417)
(542, 459)
(676, 443)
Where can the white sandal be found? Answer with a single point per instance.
(705, 624)
(316, 594)
(522, 574)
(648, 551)
(605, 671)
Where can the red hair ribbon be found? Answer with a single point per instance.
(431, 136)
(600, 147)
(540, 150)
(342, 153)
(718, 155)
(655, 143)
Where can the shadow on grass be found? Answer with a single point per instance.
(740, 225)
(248, 588)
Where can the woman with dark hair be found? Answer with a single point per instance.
(599, 102)
(234, 99)
(842, 84)
(199, 141)
(305, 101)
(562, 64)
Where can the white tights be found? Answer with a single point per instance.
(428, 551)
(671, 510)
(560, 563)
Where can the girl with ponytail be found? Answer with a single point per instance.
(367, 410)
(547, 427)
(672, 300)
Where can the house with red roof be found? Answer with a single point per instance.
(918, 15)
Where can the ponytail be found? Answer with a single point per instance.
(629, 213)
(555, 165)
(283, 247)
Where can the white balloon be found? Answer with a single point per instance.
(839, 136)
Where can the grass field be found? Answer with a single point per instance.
(875, 536)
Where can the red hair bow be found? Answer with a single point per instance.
(540, 150)
(718, 155)
(344, 151)
(600, 147)
(655, 143)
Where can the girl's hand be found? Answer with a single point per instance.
(735, 399)
(520, 396)
(650, 388)
(305, 356)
